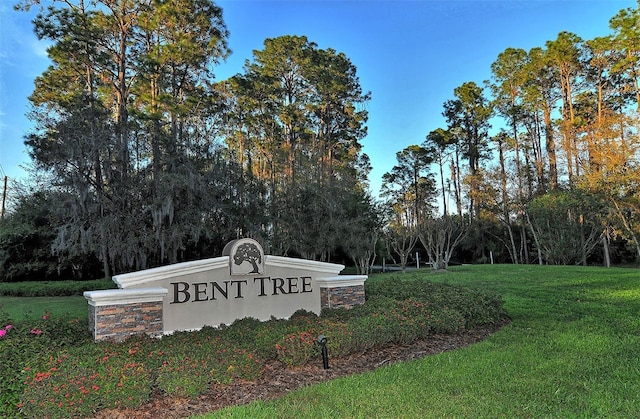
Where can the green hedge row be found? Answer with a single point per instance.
(53, 288)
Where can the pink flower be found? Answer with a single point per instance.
(2, 333)
(8, 327)
(36, 331)
(45, 317)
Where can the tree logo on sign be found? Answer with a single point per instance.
(248, 252)
(246, 257)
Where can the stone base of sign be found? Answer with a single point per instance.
(345, 291)
(117, 314)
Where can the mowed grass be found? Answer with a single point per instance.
(28, 300)
(20, 309)
(572, 351)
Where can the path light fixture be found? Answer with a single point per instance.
(322, 341)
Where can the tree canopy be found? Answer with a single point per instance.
(156, 161)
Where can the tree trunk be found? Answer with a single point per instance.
(444, 196)
(551, 149)
(605, 250)
(535, 239)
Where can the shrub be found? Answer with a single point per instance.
(297, 348)
(476, 307)
(53, 288)
(12, 350)
(75, 385)
(27, 346)
(267, 337)
(340, 341)
(184, 376)
(245, 365)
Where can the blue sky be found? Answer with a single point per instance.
(409, 54)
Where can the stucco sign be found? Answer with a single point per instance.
(243, 282)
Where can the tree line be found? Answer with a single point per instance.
(557, 180)
(144, 158)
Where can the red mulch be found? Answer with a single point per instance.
(278, 380)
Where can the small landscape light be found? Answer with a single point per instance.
(322, 341)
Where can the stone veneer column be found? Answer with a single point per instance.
(118, 314)
(343, 291)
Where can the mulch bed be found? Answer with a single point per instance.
(278, 380)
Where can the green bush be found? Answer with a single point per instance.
(297, 348)
(244, 365)
(75, 385)
(477, 308)
(28, 346)
(243, 333)
(340, 340)
(185, 376)
(53, 288)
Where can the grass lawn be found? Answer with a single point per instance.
(24, 308)
(572, 350)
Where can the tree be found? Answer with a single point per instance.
(25, 239)
(440, 237)
(565, 226)
(177, 54)
(509, 76)
(626, 27)
(600, 61)
(613, 176)
(71, 87)
(509, 79)
(565, 58)
(125, 72)
(362, 232)
(402, 240)
(410, 187)
(439, 140)
(295, 123)
(310, 221)
(541, 95)
(26, 236)
(409, 190)
(504, 204)
(468, 118)
(295, 114)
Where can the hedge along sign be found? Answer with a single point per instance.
(244, 282)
